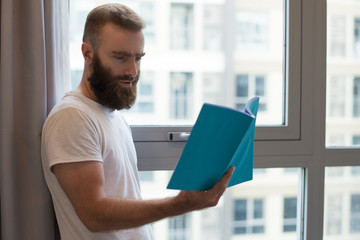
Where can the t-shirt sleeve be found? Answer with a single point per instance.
(71, 136)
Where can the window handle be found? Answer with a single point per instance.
(178, 136)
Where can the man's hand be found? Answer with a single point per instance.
(196, 200)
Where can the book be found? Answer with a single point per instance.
(221, 137)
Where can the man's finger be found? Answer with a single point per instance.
(224, 181)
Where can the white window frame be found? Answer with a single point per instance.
(301, 141)
(156, 153)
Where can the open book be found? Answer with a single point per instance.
(221, 137)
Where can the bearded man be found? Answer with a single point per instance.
(88, 155)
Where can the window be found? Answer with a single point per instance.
(357, 37)
(251, 30)
(337, 96)
(212, 87)
(182, 26)
(355, 171)
(248, 216)
(334, 212)
(247, 86)
(198, 40)
(290, 212)
(342, 204)
(355, 214)
(145, 98)
(337, 38)
(343, 81)
(335, 172)
(252, 209)
(181, 95)
(147, 12)
(356, 96)
(146, 176)
(179, 227)
(213, 39)
(356, 140)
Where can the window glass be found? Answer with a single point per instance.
(290, 214)
(182, 26)
(222, 52)
(266, 207)
(355, 214)
(342, 203)
(180, 227)
(343, 73)
(213, 39)
(181, 95)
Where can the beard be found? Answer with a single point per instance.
(107, 89)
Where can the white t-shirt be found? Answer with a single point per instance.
(79, 129)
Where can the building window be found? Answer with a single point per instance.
(357, 37)
(250, 85)
(337, 38)
(290, 213)
(212, 27)
(356, 108)
(337, 96)
(335, 140)
(242, 86)
(334, 212)
(181, 95)
(180, 227)
(335, 172)
(147, 12)
(145, 97)
(182, 26)
(146, 176)
(251, 31)
(248, 216)
(212, 88)
(356, 140)
(355, 171)
(355, 214)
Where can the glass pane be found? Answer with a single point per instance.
(343, 74)
(222, 52)
(266, 207)
(342, 203)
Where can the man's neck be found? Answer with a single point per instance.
(85, 89)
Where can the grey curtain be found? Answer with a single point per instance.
(33, 70)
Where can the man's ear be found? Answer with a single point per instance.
(88, 52)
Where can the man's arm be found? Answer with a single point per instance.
(83, 183)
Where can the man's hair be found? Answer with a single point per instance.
(115, 13)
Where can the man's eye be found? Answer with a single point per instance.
(121, 58)
(138, 59)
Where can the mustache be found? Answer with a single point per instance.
(125, 77)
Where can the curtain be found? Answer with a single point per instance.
(34, 68)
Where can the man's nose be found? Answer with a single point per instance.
(132, 68)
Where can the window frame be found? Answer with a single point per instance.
(302, 142)
(149, 138)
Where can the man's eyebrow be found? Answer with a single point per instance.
(127, 53)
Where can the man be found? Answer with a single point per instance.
(88, 155)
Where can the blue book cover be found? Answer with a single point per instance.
(221, 137)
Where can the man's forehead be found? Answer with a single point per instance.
(112, 29)
(122, 40)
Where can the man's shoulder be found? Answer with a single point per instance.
(70, 103)
(69, 108)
